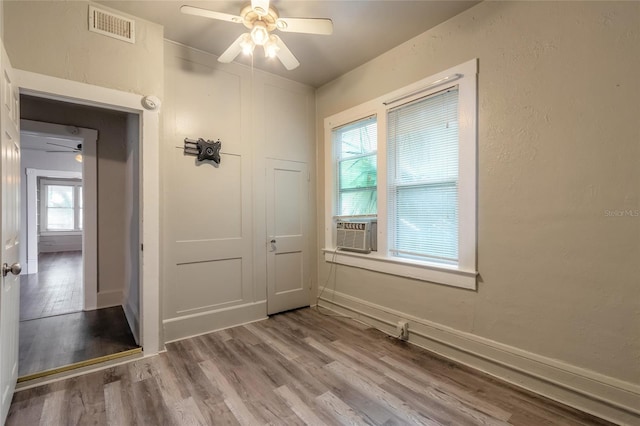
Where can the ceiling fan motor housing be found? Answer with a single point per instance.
(249, 17)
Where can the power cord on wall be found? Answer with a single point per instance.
(333, 269)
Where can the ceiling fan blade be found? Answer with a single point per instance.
(305, 25)
(284, 54)
(190, 10)
(232, 51)
(60, 145)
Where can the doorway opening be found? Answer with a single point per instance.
(59, 230)
(81, 170)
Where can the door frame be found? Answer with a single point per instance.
(49, 87)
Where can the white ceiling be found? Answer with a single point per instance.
(363, 29)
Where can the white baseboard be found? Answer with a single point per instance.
(206, 322)
(603, 396)
(133, 319)
(32, 266)
(107, 299)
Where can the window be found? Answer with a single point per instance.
(61, 206)
(409, 159)
(356, 145)
(422, 159)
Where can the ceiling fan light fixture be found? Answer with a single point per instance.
(271, 47)
(247, 45)
(259, 33)
(260, 7)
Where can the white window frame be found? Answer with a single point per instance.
(464, 274)
(76, 184)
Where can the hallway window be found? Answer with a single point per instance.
(61, 206)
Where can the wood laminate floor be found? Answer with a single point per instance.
(292, 369)
(56, 288)
(53, 342)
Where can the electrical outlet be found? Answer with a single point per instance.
(403, 330)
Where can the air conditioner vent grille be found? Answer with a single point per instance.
(111, 25)
(353, 236)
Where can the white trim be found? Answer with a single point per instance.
(86, 94)
(226, 327)
(60, 233)
(32, 176)
(464, 274)
(417, 270)
(132, 319)
(108, 299)
(196, 324)
(75, 184)
(606, 397)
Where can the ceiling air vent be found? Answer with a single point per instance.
(111, 25)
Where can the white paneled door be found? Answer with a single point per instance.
(9, 234)
(287, 191)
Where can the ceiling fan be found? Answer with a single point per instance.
(78, 147)
(77, 150)
(261, 19)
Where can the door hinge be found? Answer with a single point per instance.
(141, 247)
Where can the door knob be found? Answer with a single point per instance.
(15, 269)
(273, 241)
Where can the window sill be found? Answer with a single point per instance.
(60, 233)
(422, 271)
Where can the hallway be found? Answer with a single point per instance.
(54, 330)
(56, 288)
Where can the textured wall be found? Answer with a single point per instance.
(559, 150)
(52, 38)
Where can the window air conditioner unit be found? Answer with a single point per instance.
(354, 236)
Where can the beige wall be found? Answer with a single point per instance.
(52, 38)
(112, 170)
(213, 218)
(559, 145)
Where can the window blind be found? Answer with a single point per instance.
(422, 144)
(356, 144)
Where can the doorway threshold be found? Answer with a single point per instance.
(69, 370)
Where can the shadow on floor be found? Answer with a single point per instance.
(53, 342)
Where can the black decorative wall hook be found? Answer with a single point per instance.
(204, 150)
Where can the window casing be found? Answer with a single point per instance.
(60, 206)
(425, 179)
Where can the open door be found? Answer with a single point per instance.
(287, 250)
(9, 233)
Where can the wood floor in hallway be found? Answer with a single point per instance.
(53, 342)
(54, 331)
(296, 368)
(56, 288)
